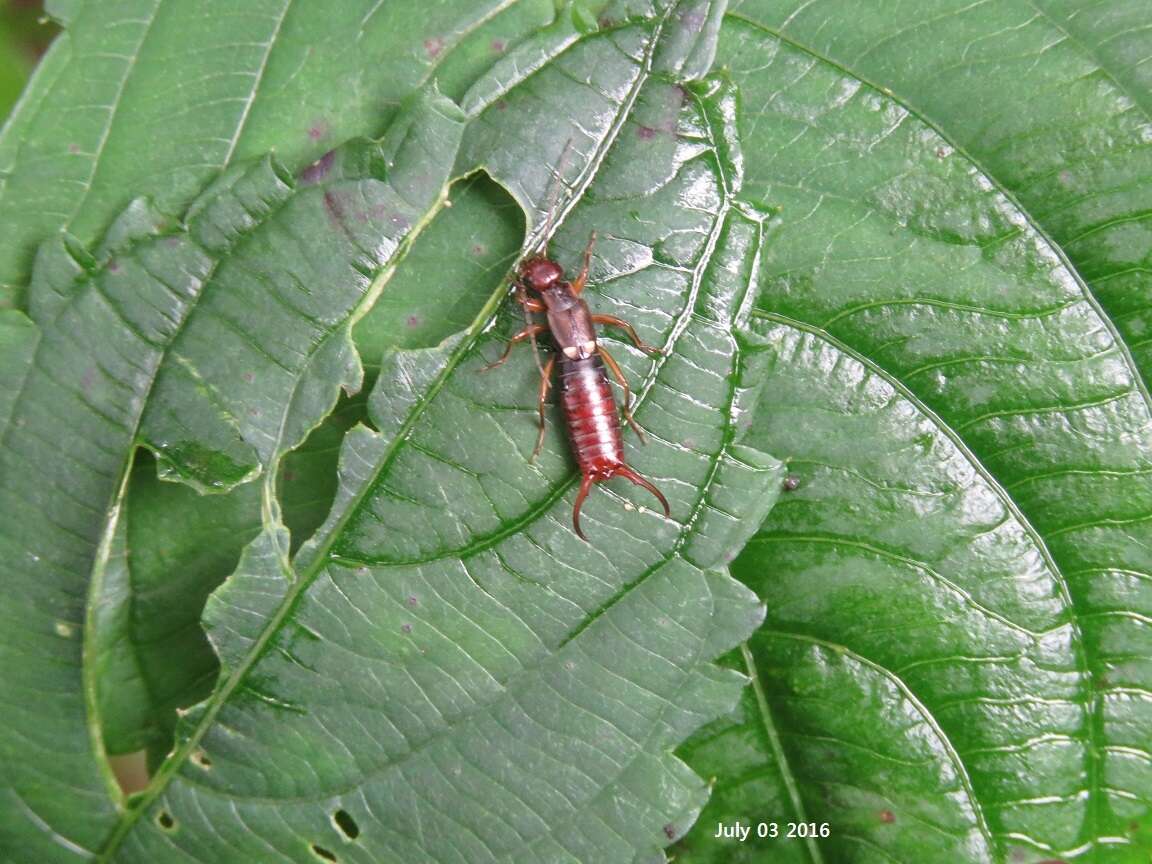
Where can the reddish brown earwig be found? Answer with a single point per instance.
(590, 411)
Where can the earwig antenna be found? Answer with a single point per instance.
(552, 200)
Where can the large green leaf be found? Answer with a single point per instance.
(473, 661)
(452, 736)
(155, 97)
(955, 663)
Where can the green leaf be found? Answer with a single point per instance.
(1077, 160)
(954, 663)
(463, 676)
(155, 97)
(213, 329)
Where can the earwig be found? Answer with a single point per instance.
(590, 411)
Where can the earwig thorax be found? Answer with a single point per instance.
(540, 273)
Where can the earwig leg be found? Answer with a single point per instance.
(619, 376)
(529, 304)
(613, 321)
(628, 473)
(545, 383)
(578, 282)
(528, 332)
(585, 485)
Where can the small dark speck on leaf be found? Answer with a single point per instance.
(433, 46)
(318, 130)
(321, 852)
(412, 601)
(791, 483)
(73, 149)
(289, 476)
(670, 831)
(604, 22)
(498, 46)
(407, 628)
(479, 249)
(646, 133)
(413, 320)
(113, 266)
(346, 824)
(248, 377)
(941, 152)
(887, 817)
(319, 169)
(502, 105)
(166, 820)
(361, 571)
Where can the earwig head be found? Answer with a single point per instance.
(540, 273)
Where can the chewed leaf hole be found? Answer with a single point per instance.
(346, 824)
(323, 854)
(166, 821)
(201, 759)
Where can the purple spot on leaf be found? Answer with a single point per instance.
(407, 628)
(498, 46)
(319, 169)
(647, 133)
(413, 320)
(433, 46)
(113, 266)
(318, 130)
(412, 601)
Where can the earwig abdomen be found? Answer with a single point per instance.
(592, 418)
(594, 429)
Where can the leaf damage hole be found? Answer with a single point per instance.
(201, 758)
(322, 853)
(166, 821)
(347, 825)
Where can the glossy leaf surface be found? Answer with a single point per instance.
(955, 659)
